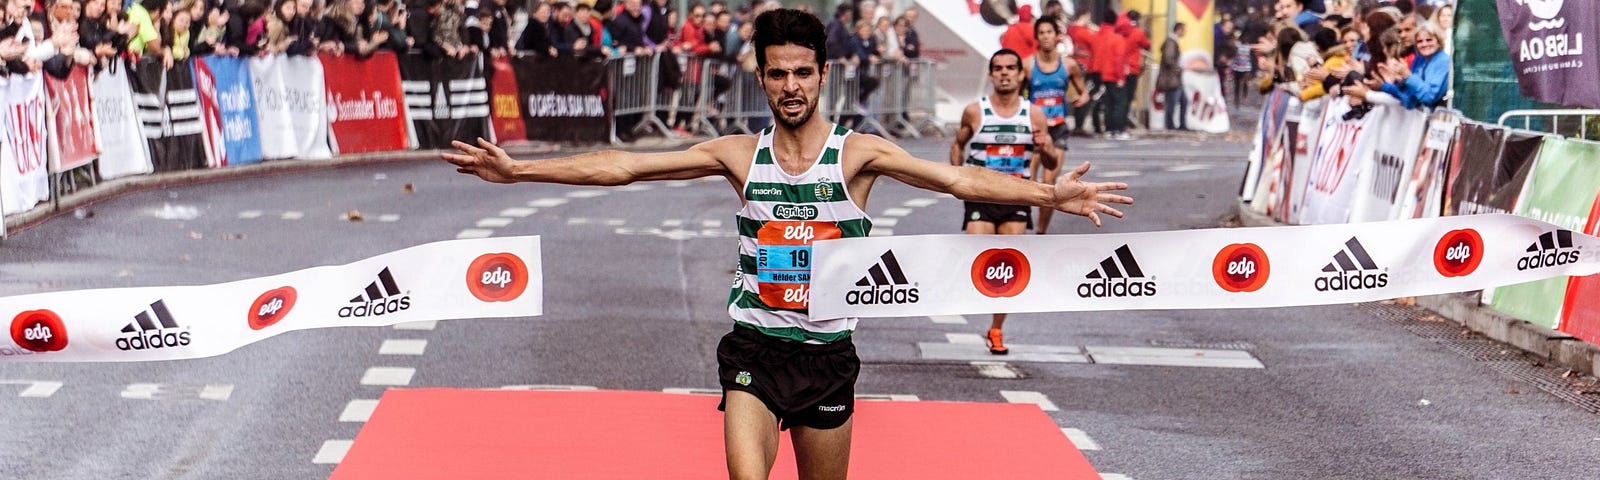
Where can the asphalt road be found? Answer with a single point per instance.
(636, 278)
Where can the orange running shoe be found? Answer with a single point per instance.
(996, 341)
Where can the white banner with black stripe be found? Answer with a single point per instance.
(484, 278)
(446, 99)
(1194, 269)
(169, 114)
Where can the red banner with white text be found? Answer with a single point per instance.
(505, 102)
(365, 103)
(71, 120)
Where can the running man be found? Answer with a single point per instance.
(781, 369)
(1056, 88)
(1001, 133)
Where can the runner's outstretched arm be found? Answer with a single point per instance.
(602, 168)
(1069, 194)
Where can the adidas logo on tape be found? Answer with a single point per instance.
(1551, 250)
(1118, 276)
(1351, 269)
(884, 284)
(375, 301)
(153, 328)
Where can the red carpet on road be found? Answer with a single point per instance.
(495, 434)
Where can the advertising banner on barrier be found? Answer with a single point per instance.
(1208, 107)
(1581, 311)
(1399, 133)
(1555, 47)
(1561, 190)
(1192, 269)
(364, 103)
(505, 101)
(24, 180)
(485, 278)
(123, 150)
(572, 107)
(272, 106)
(1271, 190)
(1272, 112)
(447, 99)
(291, 107)
(1305, 144)
(1493, 166)
(1424, 192)
(71, 121)
(1345, 142)
(229, 110)
(169, 114)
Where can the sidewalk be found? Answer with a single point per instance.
(1558, 349)
(108, 190)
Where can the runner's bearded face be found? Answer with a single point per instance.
(793, 82)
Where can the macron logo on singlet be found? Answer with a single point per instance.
(766, 191)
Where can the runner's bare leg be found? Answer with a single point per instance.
(822, 454)
(750, 435)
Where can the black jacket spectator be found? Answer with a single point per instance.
(627, 32)
(420, 27)
(839, 37)
(564, 36)
(658, 29)
(535, 39)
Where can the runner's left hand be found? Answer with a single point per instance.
(489, 163)
(1088, 199)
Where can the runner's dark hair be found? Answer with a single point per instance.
(787, 26)
(1005, 51)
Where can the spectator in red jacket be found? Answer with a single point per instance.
(1019, 36)
(1110, 57)
(1138, 43)
(1082, 34)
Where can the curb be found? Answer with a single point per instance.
(112, 189)
(1559, 349)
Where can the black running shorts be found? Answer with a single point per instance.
(803, 384)
(997, 214)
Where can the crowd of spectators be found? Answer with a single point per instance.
(1372, 52)
(1110, 49)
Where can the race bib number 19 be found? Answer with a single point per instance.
(783, 261)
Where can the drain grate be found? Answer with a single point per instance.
(1229, 345)
(1579, 390)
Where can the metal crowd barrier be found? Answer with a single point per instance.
(904, 99)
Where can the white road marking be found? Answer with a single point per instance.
(358, 410)
(996, 370)
(692, 391)
(389, 218)
(1080, 439)
(587, 193)
(672, 222)
(881, 232)
(292, 215)
(547, 202)
(402, 346)
(493, 222)
(711, 223)
(1114, 476)
(677, 183)
(975, 350)
(637, 187)
(887, 397)
(388, 376)
(1017, 396)
(896, 212)
(332, 452)
(1119, 174)
(964, 338)
(556, 388)
(920, 202)
(475, 233)
(35, 388)
(885, 222)
(423, 325)
(1173, 357)
(1189, 167)
(216, 392)
(141, 391)
(949, 319)
(577, 221)
(614, 222)
(518, 212)
(247, 214)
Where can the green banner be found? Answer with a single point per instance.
(1560, 190)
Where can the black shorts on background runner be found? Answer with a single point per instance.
(807, 385)
(997, 214)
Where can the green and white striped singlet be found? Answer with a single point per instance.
(782, 216)
(1002, 144)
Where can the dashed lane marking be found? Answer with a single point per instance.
(153, 391)
(219, 393)
(672, 223)
(475, 233)
(389, 218)
(518, 212)
(388, 376)
(332, 452)
(423, 325)
(972, 348)
(996, 370)
(896, 212)
(1173, 357)
(1189, 167)
(1036, 398)
(614, 222)
(677, 183)
(358, 410)
(1080, 439)
(248, 214)
(949, 319)
(34, 388)
(494, 222)
(964, 338)
(881, 232)
(403, 346)
(637, 187)
(920, 202)
(547, 202)
(587, 193)
(885, 222)
(1119, 174)
(711, 223)
(292, 215)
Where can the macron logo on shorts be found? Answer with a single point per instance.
(831, 408)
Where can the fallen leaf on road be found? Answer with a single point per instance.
(1513, 391)
(353, 215)
(410, 189)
